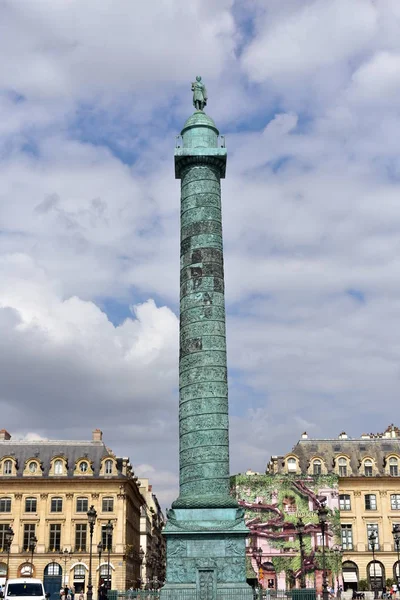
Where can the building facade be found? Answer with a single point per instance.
(368, 470)
(46, 490)
(152, 542)
(274, 503)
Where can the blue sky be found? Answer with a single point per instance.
(92, 97)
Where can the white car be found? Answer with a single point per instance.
(24, 588)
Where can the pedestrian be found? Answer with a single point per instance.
(81, 595)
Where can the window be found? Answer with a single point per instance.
(108, 467)
(56, 505)
(317, 469)
(344, 502)
(107, 505)
(395, 501)
(83, 466)
(3, 541)
(370, 501)
(79, 570)
(368, 468)
(80, 537)
(53, 569)
(58, 467)
(342, 467)
(27, 588)
(7, 468)
(29, 534)
(55, 537)
(32, 467)
(292, 465)
(347, 537)
(393, 467)
(30, 504)
(370, 528)
(5, 505)
(104, 538)
(82, 505)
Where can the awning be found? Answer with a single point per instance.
(350, 577)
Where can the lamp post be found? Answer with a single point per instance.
(396, 536)
(338, 561)
(322, 518)
(9, 536)
(91, 515)
(372, 543)
(99, 551)
(65, 555)
(32, 546)
(141, 557)
(109, 530)
(300, 533)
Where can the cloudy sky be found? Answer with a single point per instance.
(92, 95)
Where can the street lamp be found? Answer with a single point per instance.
(322, 518)
(65, 555)
(372, 543)
(396, 535)
(141, 557)
(300, 533)
(31, 547)
(109, 531)
(9, 536)
(91, 515)
(338, 561)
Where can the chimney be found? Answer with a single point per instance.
(4, 435)
(343, 435)
(304, 436)
(97, 435)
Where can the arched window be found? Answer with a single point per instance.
(108, 467)
(376, 575)
(292, 465)
(7, 467)
(3, 570)
(26, 570)
(368, 468)
(79, 572)
(58, 467)
(393, 467)
(317, 467)
(342, 462)
(53, 569)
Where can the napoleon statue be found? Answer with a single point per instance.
(199, 94)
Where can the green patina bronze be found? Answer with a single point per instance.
(205, 529)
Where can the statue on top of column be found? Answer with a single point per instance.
(199, 94)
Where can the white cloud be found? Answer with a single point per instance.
(90, 213)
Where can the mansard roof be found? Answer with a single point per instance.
(45, 451)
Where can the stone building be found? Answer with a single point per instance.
(152, 542)
(46, 489)
(368, 470)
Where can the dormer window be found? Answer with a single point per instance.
(368, 468)
(32, 467)
(108, 467)
(342, 462)
(83, 466)
(7, 467)
(393, 467)
(291, 465)
(317, 467)
(58, 467)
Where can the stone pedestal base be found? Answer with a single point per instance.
(206, 555)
